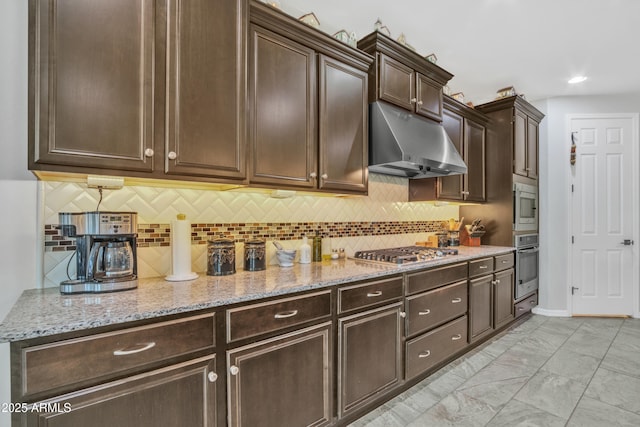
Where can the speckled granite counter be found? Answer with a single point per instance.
(43, 312)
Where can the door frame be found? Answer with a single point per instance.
(635, 164)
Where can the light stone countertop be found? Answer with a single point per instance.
(44, 312)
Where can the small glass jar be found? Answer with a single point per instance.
(221, 257)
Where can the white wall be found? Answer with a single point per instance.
(555, 189)
(18, 188)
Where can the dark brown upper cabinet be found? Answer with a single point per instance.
(308, 121)
(467, 129)
(404, 78)
(205, 100)
(517, 123)
(143, 88)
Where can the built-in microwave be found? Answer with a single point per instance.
(525, 207)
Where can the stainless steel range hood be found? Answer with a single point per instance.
(406, 145)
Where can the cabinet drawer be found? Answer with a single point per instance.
(526, 305)
(81, 360)
(256, 319)
(433, 347)
(433, 308)
(436, 277)
(504, 262)
(480, 266)
(368, 294)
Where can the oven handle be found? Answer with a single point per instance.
(528, 251)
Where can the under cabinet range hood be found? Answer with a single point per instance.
(406, 145)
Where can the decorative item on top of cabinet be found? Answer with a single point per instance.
(404, 78)
(317, 86)
(115, 122)
(310, 19)
(466, 128)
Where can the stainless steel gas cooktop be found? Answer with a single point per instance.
(404, 255)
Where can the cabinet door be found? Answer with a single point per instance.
(370, 357)
(343, 134)
(397, 82)
(206, 80)
(91, 90)
(520, 143)
(475, 158)
(532, 148)
(285, 381)
(450, 187)
(429, 98)
(480, 306)
(282, 103)
(180, 395)
(503, 297)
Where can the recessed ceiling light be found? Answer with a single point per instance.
(577, 79)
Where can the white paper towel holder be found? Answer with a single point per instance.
(184, 276)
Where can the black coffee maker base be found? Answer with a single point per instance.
(84, 287)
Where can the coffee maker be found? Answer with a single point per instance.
(105, 251)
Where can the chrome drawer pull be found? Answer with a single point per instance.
(456, 300)
(424, 354)
(424, 313)
(532, 302)
(520, 308)
(144, 347)
(456, 337)
(482, 267)
(374, 294)
(286, 314)
(504, 261)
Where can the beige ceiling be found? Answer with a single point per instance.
(533, 45)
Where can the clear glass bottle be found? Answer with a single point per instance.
(305, 251)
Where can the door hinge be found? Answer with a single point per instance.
(572, 188)
(573, 240)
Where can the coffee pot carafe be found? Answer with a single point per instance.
(105, 251)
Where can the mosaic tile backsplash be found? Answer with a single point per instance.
(384, 218)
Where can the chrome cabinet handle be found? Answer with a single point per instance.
(532, 302)
(456, 337)
(374, 294)
(413, 100)
(504, 261)
(520, 308)
(464, 193)
(148, 152)
(324, 176)
(424, 312)
(313, 175)
(144, 347)
(172, 155)
(212, 377)
(234, 370)
(493, 282)
(424, 354)
(420, 102)
(497, 281)
(456, 300)
(403, 314)
(286, 314)
(483, 267)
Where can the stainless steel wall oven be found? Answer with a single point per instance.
(527, 261)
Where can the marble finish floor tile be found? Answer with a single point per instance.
(623, 358)
(616, 389)
(589, 343)
(518, 414)
(593, 413)
(552, 393)
(457, 409)
(570, 364)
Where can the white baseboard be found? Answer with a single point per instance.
(550, 313)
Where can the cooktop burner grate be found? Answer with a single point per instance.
(404, 254)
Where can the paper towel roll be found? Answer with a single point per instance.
(181, 250)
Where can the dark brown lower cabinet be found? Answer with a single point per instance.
(284, 381)
(503, 298)
(370, 356)
(179, 395)
(480, 306)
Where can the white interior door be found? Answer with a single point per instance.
(602, 215)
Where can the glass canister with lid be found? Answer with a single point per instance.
(254, 255)
(221, 257)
